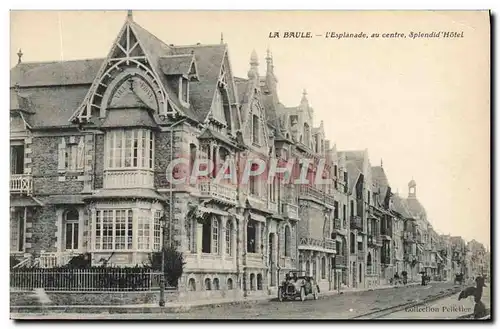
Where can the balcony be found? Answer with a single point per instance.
(356, 223)
(409, 258)
(272, 206)
(326, 245)
(386, 233)
(375, 240)
(315, 193)
(408, 237)
(130, 178)
(21, 184)
(361, 256)
(221, 192)
(290, 210)
(337, 222)
(340, 261)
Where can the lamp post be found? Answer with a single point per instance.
(163, 222)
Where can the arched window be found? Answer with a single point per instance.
(192, 285)
(229, 238)
(288, 242)
(252, 281)
(208, 285)
(229, 284)
(323, 268)
(71, 229)
(251, 230)
(369, 264)
(216, 284)
(353, 243)
(215, 236)
(259, 281)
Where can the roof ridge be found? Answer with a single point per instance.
(135, 24)
(199, 45)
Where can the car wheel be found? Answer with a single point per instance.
(302, 294)
(280, 294)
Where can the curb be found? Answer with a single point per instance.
(120, 309)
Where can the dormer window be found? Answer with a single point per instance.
(255, 129)
(184, 90)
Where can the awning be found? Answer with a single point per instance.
(258, 218)
(24, 201)
(420, 248)
(439, 256)
(138, 193)
(65, 199)
(213, 211)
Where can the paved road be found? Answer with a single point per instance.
(446, 308)
(343, 306)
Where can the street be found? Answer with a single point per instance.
(345, 306)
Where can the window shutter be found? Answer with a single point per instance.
(62, 155)
(81, 154)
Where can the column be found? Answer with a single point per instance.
(93, 222)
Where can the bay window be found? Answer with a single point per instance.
(129, 148)
(113, 229)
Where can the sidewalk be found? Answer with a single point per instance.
(173, 307)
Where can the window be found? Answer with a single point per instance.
(259, 281)
(192, 285)
(307, 134)
(215, 236)
(129, 148)
(253, 185)
(113, 229)
(17, 159)
(255, 129)
(72, 154)
(216, 284)
(229, 284)
(185, 90)
(353, 243)
(335, 209)
(229, 238)
(251, 235)
(323, 268)
(208, 285)
(352, 208)
(252, 281)
(17, 221)
(344, 214)
(144, 230)
(288, 244)
(71, 230)
(157, 243)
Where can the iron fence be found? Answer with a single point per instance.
(92, 279)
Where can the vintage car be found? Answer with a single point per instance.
(297, 285)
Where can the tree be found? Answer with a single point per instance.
(174, 264)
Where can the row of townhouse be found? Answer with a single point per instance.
(93, 141)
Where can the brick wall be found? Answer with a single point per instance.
(43, 229)
(99, 162)
(45, 174)
(162, 158)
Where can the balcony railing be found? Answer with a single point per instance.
(340, 261)
(356, 222)
(222, 192)
(317, 243)
(337, 222)
(21, 184)
(315, 193)
(272, 206)
(54, 259)
(408, 236)
(290, 210)
(375, 240)
(131, 178)
(361, 256)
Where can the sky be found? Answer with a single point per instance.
(420, 105)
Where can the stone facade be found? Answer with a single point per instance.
(94, 176)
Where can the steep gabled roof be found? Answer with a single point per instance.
(378, 176)
(177, 64)
(209, 60)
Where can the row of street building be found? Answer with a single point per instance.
(92, 140)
